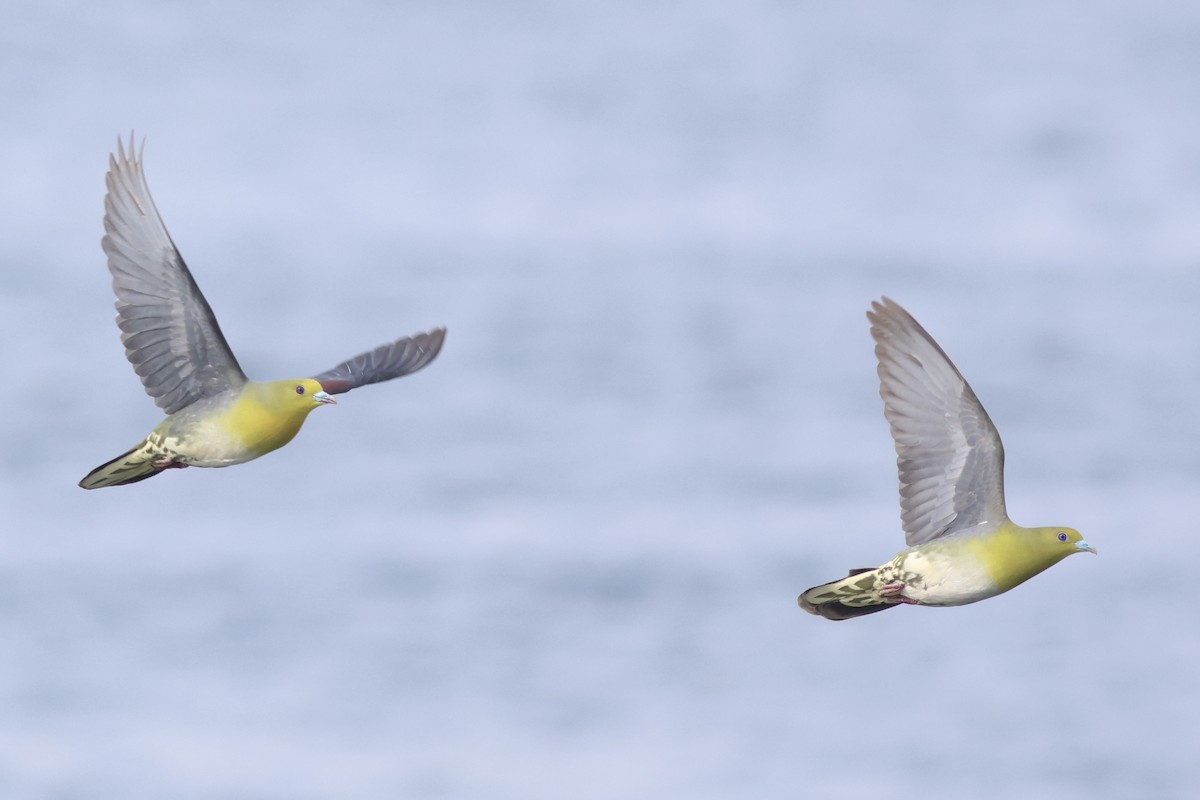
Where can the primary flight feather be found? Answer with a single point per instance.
(962, 547)
(216, 416)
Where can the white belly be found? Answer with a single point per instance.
(200, 446)
(935, 579)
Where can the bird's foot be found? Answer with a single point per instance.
(891, 593)
(166, 462)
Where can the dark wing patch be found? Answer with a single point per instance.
(393, 360)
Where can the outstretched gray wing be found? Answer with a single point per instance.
(948, 452)
(170, 334)
(392, 360)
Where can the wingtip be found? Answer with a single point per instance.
(134, 153)
(885, 306)
(432, 341)
(878, 309)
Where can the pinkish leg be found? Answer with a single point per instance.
(891, 592)
(165, 462)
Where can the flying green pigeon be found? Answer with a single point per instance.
(962, 547)
(216, 416)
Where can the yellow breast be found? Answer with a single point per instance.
(1012, 554)
(258, 421)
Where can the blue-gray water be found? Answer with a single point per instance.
(563, 560)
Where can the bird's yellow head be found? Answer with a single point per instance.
(284, 400)
(304, 394)
(1064, 541)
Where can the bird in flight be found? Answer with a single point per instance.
(962, 547)
(216, 416)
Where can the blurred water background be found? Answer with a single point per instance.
(563, 560)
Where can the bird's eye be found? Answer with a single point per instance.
(1062, 536)
(299, 390)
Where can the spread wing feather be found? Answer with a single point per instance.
(170, 334)
(392, 360)
(948, 452)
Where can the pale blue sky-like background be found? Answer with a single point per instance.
(562, 561)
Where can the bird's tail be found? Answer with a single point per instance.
(856, 595)
(131, 467)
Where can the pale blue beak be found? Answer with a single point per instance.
(1085, 547)
(324, 397)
